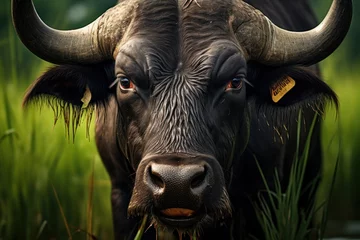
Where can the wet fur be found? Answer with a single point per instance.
(309, 93)
(68, 82)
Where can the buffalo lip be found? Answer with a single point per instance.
(177, 212)
(186, 220)
(180, 222)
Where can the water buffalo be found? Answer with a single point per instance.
(188, 93)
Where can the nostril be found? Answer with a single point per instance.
(198, 178)
(156, 178)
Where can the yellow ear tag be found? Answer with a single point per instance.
(86, 98)
(281, 87)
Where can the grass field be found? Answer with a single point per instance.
(35, 155)
(341, 136)
(36, 158)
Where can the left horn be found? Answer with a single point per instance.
(74, 46)
(266, 43)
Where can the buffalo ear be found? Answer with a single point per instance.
(73, 84)
(288, 86)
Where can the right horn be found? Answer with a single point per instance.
(275, 46)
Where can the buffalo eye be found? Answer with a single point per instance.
(125, 83)
(235, 83)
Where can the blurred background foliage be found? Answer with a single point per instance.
(35, 155)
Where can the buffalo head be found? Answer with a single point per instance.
(169, 79)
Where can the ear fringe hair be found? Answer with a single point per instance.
(283, 118)
(70, 113)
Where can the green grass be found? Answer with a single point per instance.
(278, 211)
(34, 155)
(341, 136)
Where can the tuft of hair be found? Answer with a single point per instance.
(72, 92)
(72, 115)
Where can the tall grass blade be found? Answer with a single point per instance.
(8, 133)
(194, 236)
(140, 232)
(12, 48)
(324, 218)
(42, 227)
(90, 203)
(279, 215)
(89, 235)
(9, 116)
(62, 213)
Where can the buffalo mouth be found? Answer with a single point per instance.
(182, 219)
(177, 223)
(179, 218)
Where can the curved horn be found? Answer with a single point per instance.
(272, 45)
(74, 46)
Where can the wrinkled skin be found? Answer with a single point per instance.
(181, 128)
(181, 107)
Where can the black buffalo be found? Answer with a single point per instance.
(188, 94)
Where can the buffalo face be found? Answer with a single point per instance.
(179, 126)
(168, 79)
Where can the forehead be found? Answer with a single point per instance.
(185, 11)
(178, 31)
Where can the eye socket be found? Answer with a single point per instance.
(125, 83)
(235, 83)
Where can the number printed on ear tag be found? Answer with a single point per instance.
(281, 87)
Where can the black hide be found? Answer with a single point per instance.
(185, 111)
